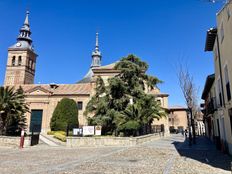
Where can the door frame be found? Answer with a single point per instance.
(40, 129)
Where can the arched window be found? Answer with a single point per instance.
(31, 65)
(20, 61)
(13, 61)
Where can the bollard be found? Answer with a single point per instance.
(21, 139)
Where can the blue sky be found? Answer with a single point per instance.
(162, 33)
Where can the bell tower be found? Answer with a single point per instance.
(21, 60)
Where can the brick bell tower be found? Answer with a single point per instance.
(21, 60)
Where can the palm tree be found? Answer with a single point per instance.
(151, 112)
(130, 120)
(151, 82)
(137, 118)
(12, 110)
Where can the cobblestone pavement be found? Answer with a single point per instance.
(170, 155)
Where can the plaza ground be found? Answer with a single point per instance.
(170, 155)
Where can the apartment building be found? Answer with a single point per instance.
(217, 91)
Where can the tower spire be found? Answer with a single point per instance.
(26, 22)
(25, 32)
(96, 54)
(96, 62)
(96, 46)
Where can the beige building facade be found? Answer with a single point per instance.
(218, 105)
(178, 118)
(43, 98)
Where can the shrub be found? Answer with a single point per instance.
(65, 113)
(50, 132)
(60, 136)
(53, 132)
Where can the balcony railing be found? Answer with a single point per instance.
(211, 107)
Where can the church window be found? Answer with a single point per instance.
(20, 61)
(13, 61)
(98, 62)
(33, 65)
(30, 64)
(80, 105)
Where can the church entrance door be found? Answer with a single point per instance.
(36, 120)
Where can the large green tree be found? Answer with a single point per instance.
(110, 107)
(12, 111)
(64, 115)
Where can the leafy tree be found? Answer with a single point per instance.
(64, 115)
(110, 106)
(12, 111)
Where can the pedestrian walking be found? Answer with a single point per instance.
(185, 133)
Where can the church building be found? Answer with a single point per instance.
(43, 98)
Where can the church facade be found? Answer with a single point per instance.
(43, 98)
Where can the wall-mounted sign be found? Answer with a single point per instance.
(98, 130)
(77, 131)
(88, 130)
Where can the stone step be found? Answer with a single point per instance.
(48, 140)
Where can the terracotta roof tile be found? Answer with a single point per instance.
(109, 66)
(83, 88)
(62, 89)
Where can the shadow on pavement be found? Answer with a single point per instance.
(204, 151)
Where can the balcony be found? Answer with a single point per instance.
(211, 107)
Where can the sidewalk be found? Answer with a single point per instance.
(202, 143)
(204, 151)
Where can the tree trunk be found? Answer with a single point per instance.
(193, 126)
(144, 129)
(189, 126)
